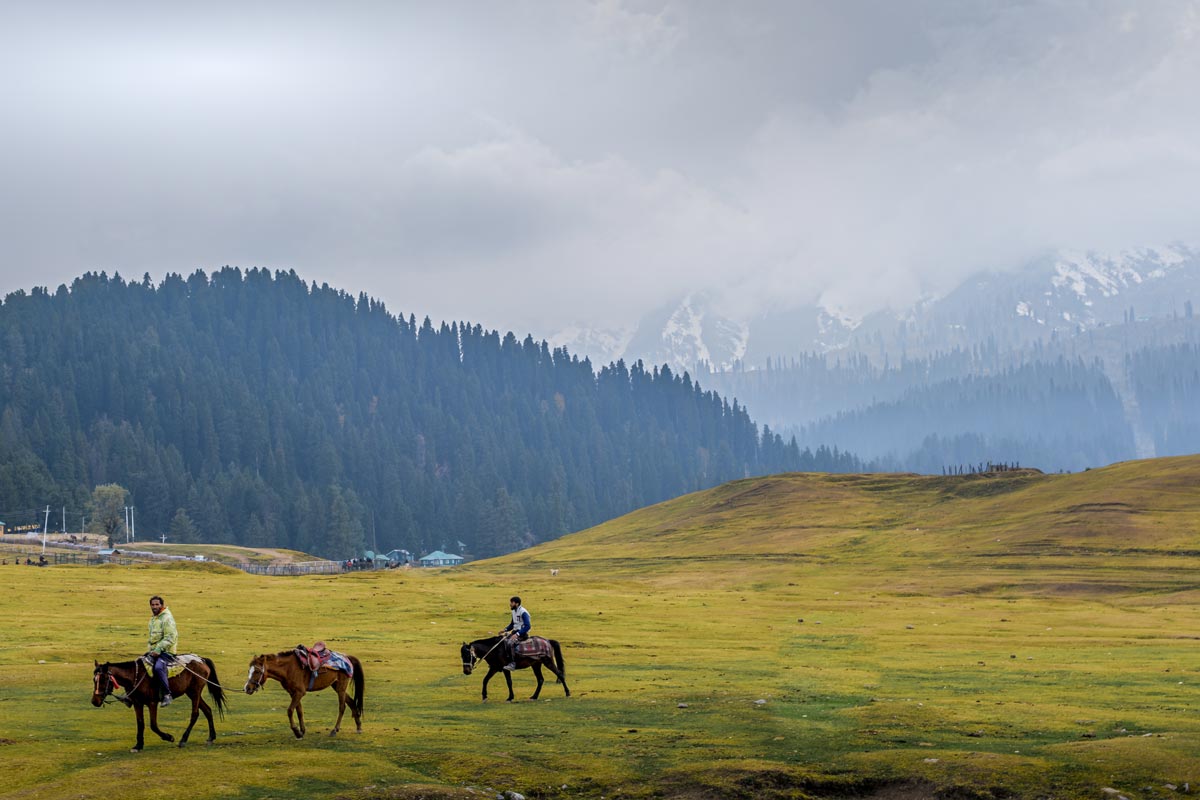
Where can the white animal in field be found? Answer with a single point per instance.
(553, 573)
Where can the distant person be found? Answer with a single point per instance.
(515, 631)
(163, 639)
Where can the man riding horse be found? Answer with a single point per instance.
(515, 631)
(163, 639)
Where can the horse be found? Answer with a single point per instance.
(490, 651)
(141, 690)
(287, 669)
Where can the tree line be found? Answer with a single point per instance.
(254, 408)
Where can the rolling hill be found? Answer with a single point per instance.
(1008, 635)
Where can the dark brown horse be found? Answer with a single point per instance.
(287, 669)
(490, 651)
(141, 691)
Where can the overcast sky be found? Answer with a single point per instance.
(530, 165)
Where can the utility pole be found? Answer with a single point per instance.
(45, 527)
(132, 524)
(126, 510)
(64, 529)
(164, 538)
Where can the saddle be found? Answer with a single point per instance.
(533, 647)
(313, 658)
(177, 665)
(319, 657)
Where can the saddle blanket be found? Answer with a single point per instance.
(339, 661)
(178, 665)
(534, 647)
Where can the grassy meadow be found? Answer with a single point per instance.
(890, 636)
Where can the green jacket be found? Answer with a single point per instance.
(163, 634)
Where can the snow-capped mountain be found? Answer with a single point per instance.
(1059, 296)
(1051, 299)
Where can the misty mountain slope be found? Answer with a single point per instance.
(1055, 416)
(794, 369)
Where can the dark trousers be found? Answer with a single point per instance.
(510, 649)
(161, 662)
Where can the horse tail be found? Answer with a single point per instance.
(558, 660)
(215, 691)
(358, 684)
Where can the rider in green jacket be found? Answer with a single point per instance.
(163, 637)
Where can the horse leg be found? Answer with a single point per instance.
(300, 713)
(537, 670)
(340, 688)
(212, 730)
(561, 678)
(166, 737)
(295, 707)
(491, 671)
(141, 728)
(195, 698)
(508, 678)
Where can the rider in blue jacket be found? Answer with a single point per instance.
(517, 630)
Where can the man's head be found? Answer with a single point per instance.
(514, 602)
(156, 605)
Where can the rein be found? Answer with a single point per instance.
(485, 655)
(114, 684)
(186, 668)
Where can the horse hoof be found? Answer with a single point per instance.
(333, 732)
(181, 744)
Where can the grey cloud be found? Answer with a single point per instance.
(534, 164)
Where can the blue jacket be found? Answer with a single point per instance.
(521, 623)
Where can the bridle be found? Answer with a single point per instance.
(469, 666)
(250, 678)
(111, 684)
(475, 659)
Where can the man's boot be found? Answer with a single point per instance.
(512, 656)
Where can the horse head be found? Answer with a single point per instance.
(468, 658)
(103, 683)
(257, 677)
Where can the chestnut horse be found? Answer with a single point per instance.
(141, 691)
(287, 669)
(489, 651)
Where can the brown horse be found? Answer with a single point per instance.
(141, 691)
(287, 669)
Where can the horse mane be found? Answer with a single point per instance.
(124, 664)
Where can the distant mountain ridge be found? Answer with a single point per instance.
(1058, 296)
(1078, 360)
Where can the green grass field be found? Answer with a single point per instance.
(1017, 635)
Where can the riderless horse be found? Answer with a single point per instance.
(286, 668)
(141, 691)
